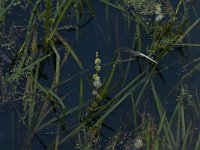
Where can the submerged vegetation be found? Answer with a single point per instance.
(135, 92)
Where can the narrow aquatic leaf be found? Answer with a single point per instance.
(60, 16)
(178, 7)
(64, 114)
(108, 82)
(57, 68)
(134, 110)
(50, 93)
(157, 142)
(70, 50)
(187, 136)
(81, 98)
(197, 146)
(137, 54)
(187, 44)
(166, 125)
(180, 39)
(90, 7)
(4, 9)
(119, 7)
(27, 68)
(57, 139)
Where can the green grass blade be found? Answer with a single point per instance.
(166, 126)
(90, 7)
(50, 93)
(188, 30)
(3, 10)
(70, 50)
(134, 110)
(197, 146)
(81, 98)
(119, 7)
(57, 74)
(186, 136)
(60, 16)
(27, 68)
(106, 86)
(156, 144)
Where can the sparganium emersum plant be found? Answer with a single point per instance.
(96, 79)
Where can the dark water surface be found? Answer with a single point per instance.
(104, 37)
